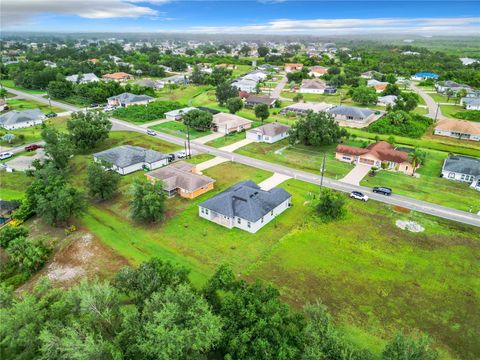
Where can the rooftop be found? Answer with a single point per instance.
(352, 111)
(382, 150)
(271, 129)
(463, 165)
(127, 155)
(461, 126)
(18, 117)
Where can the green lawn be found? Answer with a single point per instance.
(13, 185)
(179, 129)
(429, 186)
(182, 94)
(23, 104)
(299, 157)
(11, 84)
(450, 110)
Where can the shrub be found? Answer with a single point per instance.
(145, 113)
(472, 115)
(401, 123)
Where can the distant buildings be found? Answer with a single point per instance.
(252, 100)
(317, 71)
(118, 76)
(178, 114)
(302, 108)
(424, 76)
(21, 119)
(387, 100)
(454, 87)
(352, 116)
(460, 129)
(379, 86)
(464, 169)
(471, 103)
(293, 67)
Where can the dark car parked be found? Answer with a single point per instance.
(51, 115)
(171, 157)
(32, 147)
(382, 190)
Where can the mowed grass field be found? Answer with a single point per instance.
(23, 104)
(178, 128)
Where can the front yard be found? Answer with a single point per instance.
(179, 129)
(23, 104)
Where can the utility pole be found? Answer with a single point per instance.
(436, 112)
(189, 154)
(322, 171)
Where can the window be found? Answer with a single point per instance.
(206, 211)
(262, 220)
(271, 212)
(239, 220)
(202, 210)
(463, 177)
(248, 224)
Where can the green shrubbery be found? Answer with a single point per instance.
(401, 123)
(145, 113)
(472, 115)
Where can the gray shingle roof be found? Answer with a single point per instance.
(128, 98)
(271, 129)
(127, 155)
(351, 111)
(246, 200)
(18, 117)
(462, 165)
(254, 99)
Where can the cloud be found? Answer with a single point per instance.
(343, 26)
(20, 12)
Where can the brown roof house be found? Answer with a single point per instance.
(228, 123)
(118, 76)
(375, 155)
(313, 86)
(252, 100)
(180, 178)
(293, 67)
(460, 129)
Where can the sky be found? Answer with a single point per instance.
(251, 16)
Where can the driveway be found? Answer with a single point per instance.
(237, 145)
(274, 180)
(156, 122)
(207, 138)
(210, 163)
(356, 174)
(22, 163)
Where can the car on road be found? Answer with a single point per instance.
(6, 155)
(51, 115)
(32, 147)
(151, 132)
(109, 108)
(382, 190)
(94, 106)
(359, 196)
(182, 154)
(171, 157)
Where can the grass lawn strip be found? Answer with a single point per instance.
(178, 129)
(23, 104)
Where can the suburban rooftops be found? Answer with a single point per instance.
(127, 155)
(460, 126)
(271, 129)
(255, 99)
(18, 117)
(352, 111)
(246, 200)
(462, 164)
(382, 150)
(313, 84)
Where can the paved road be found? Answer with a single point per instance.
(432, 106)
(396, 200)
(278, 89)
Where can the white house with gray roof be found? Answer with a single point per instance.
(178, 113)
(21, 119)
(127, 99)
(269, 133)
(352, 114)
(126, 159)
(464, 169)
(82, 78)
(471, 103)
(245, 206)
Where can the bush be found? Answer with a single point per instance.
(330, 205)
(401, 123)
(10, 233)
(472, 115)
(145, 113)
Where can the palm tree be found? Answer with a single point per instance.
(417, 158)
(449, 94)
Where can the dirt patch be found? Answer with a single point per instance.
(409, 225)
(401, 210)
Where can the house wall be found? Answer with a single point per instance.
(472, 137)
(311, 91)
(215, 217)
(157, 164)
(253, 227)
(450, 175)
(23, 124)
(195, 193)
(136, 103)
(472, 107)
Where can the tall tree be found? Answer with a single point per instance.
(234, 104)
(262, 112)
(330, 205)
(87, 129)
(101, 182)
(198, 120)
(316, 129)
(364, 95)
(57, 146)
(417, 157)
(406, 348)
(148, 201)
(224, 92)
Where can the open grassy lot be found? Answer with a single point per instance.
(23, 104)
(179, 129)
(181, 94)
(13, 185)
(429, 186)
(32, 134)
(11, 84)
(298, 157)
(450, 110)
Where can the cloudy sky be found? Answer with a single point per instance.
(251, 16)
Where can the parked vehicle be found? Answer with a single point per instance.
(32, 147)
(382, 190)
(51, 115)
(171, 157)
(182, 154)
(109, 108)
(6, 155)
(94, 106)
(359, 196)
(151, 132)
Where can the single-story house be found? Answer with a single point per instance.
(228, 123)
(379, 86)
(268, 67)
(352, 114)
(468, 61)
(178, 113)
(330, 90)
(374, 155)
(82, 78)
(462, 168)
(387, 100)
(6, 210)
(21, 119)
(461, 129)
(312, 86)
(247, 85)
(49, 63)
(293, 67)
(471, 103)
(173, 80)
(317, 71)
(444, 86)
(149, 83)
(180, 178)
(118, 76)
(245, 206)
(128, 99)
(424, 76)
(258, 75)
(269, 133)
(302, 108)
(126, 159)
(209, 110)
(252, 100)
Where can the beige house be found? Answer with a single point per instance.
(375, 155)
(293, 67)
(460, 129)
(118, 76)
(228, 123)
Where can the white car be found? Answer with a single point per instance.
(358, 195)
(109, 108)
(6, 155)
(151, 132)
(182, 154)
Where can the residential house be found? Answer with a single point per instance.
(180, 178)
(126, 159)
(468, 61)
(302, 108)
(461, 129)
(252, 100)
(448, 85)
(368, 74)
(3, 105)
(173, 80)
(93, 60)
(471, 103)
(387, 100)
(178, 113)
(317, 71)
(118, 76)
(21, 119)
(269, 133)
(128, 99)
(82, 78)
(293, 67)
(330, 90)
(246, 85)
(376, 154)
(424, 76)
(313, 86)
(149, 83)
(379, 86)
(464, 169)
(228, 123)
(352, 115)
(6, 210)
(49, 63)
(245, 206)
(268, 67)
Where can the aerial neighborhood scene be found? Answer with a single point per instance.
(240, 180)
